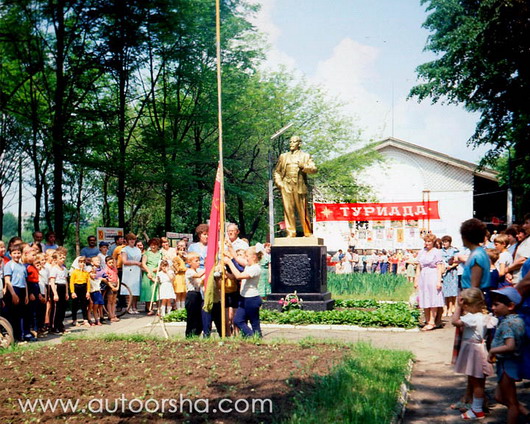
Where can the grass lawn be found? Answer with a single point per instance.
(306, 382)
(369, 286)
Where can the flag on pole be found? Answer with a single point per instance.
(212, 253)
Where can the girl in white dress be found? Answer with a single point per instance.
(167, 294)
(472, 358)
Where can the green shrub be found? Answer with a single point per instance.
(371, 314)
(366, 286)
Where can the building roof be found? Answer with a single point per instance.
(487, 173)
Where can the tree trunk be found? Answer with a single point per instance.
(58, 144)
(78, 214)
(123, 146)
(241, 216)
(169, 202)
(38, 200)
(20, 197)
(1, 213)
(106, 206)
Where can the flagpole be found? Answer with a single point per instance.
(221, 163)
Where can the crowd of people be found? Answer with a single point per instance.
(485, 288)
(374, 261)
(37, 286)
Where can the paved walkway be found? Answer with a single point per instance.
(434, 384)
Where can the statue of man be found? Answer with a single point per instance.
(290, 176)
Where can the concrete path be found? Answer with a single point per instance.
(434, 384)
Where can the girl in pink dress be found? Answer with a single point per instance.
(428, 282)
(472, 359)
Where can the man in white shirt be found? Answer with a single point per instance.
(233, 236)
(522, 253)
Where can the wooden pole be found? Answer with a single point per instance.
(221, 163)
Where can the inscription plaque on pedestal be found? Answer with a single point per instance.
(302, 269)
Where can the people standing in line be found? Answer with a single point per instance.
(97, 278)
(96, 298)
(15, 275)
(450, 275)
(505, 258)
(410, 262)
(428, 282)
(168, 252)
(476, 272)
(51, 242)
(347, 262)
(521, 254)
(149, 291)
(103, 252)
(232, 232)
(179, 270)
(131, 260)
(80, 290)
(201, 246)
(167, 293)
(43, 317)
(59, 288)
(194, 284)
(34, 294)
(383, 262)
(511, 232)
(37, 241)
(250, 300)
(264, 286)
(472, 358)
(113, 283)
(506, 350)
(91, 250)
(119, 240)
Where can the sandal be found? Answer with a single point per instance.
(428, 327)
(151, 313)
(472, 415)
(461, 406)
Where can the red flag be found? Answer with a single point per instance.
(214, 230)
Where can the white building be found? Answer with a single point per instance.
(411, 173)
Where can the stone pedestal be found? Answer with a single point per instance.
(299, 264)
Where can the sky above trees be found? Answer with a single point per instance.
(366, 52)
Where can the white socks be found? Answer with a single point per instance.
(164, 310)
(476, 406)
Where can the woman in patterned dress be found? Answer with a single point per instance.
(150, 261)
(450, 276)
(428, 282)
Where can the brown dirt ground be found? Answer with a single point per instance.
(84, 369)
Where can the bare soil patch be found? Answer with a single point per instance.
(152, 369)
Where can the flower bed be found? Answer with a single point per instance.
(364, 313)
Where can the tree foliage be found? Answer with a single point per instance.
(117, 104)
(483, 50)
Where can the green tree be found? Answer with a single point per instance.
(482, 50)
(10, 225)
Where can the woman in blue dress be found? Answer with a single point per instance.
(450, 277)
(132, 270)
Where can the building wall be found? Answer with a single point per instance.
(403, 177)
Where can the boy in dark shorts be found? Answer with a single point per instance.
(506, 349)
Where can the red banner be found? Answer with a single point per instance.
(213, 229)
(396, 211)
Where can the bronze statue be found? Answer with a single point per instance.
(290, 176)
